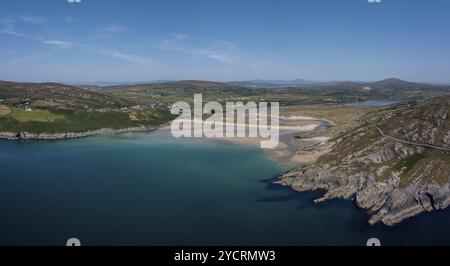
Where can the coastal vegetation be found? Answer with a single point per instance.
(57, 108)
(60, 121)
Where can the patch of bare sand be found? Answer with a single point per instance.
(290, 150)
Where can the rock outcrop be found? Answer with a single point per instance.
(393, 181)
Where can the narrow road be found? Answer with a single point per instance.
(381, 132)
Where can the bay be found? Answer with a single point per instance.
(152, 189)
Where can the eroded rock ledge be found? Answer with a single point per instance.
(388, 202)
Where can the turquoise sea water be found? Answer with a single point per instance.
(150, 189)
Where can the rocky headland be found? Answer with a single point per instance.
(395, 163)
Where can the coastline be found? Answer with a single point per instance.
(291, 151)
(302, 148)
(298, 149)
(71, 135)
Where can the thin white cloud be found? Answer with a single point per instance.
(129, 57)
(33, 20)
(217, 50)
(59, 43)
(71, 19)
(112, 29)
(224, 44)
(177, 42)
(7, 27)
(221, 51)
(224, 58)
(8, 24)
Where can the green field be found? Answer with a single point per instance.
(43, 116)
(59, 121)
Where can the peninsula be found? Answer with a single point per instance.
(396, 170)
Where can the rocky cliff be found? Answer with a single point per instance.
(391, 174)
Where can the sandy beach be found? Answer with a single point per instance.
(296, 145)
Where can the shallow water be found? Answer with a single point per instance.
(150, 189)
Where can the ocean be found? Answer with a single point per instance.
(152, 189)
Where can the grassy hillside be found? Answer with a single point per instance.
(365, 149)
(58, 108)
(326, 93)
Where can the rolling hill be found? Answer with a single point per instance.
(186, 85)
(52, 108)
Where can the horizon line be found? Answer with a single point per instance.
(159, 81)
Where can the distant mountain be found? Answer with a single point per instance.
(391, 83)
(386, 84)
(273, 83)
(394, 89)
(188, 85)
(395, 83)
(109, 83)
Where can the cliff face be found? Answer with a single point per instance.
(392, 179)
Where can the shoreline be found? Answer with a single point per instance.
(297, 153)
(290, 151)
(71, 135)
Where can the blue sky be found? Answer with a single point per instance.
(144, 40)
